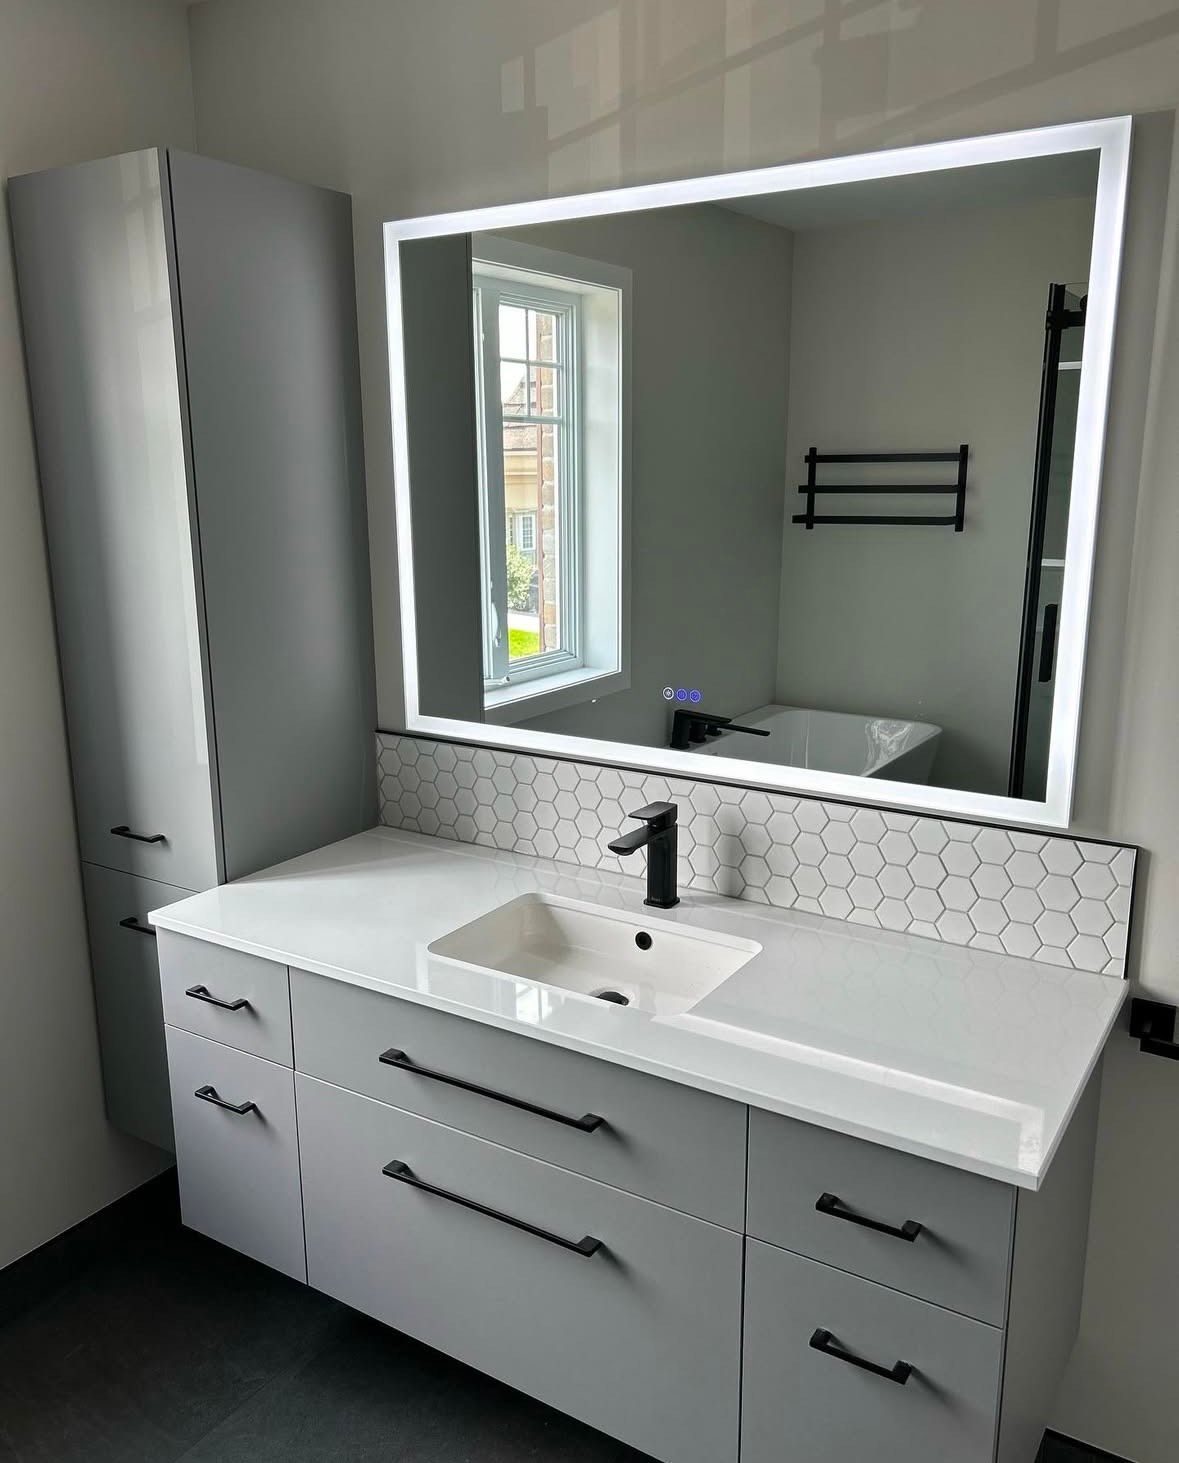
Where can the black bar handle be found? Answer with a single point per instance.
(590, 1123)
(209, 1094)
(124, 832)
(899, 1372)
(829, 1204)
(202, 993)
(402, 1172)
(1048, 642)
(131, 923)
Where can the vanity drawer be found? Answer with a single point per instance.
(806, 1403)
(204, 985)
(640, 1338)
(960, 1257)
(238, 1171)
(667, 1142)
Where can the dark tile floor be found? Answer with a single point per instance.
(133, 1340)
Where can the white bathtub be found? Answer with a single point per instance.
(833, 741)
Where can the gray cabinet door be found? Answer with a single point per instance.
(640, 1339)
(674, 1144)
(96, 306)
(265, 269)
(961, 1256)
(127, 998)
(805, 1405)
(204, 985)
(238, 1170)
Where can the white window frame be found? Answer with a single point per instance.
(527, 291)
(1108, 137)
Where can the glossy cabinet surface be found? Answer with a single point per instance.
(960, 1255)
(226, 995)
(815, 1406)
(640, 1338)
(125, 963)
(96, 307)
(238, 1170)
(679, 1146)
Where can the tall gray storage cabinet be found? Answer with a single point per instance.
(190, 333)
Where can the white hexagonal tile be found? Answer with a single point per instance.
(703, 859)
(836, 903)
(756, 839)
(811, 816)
(704, 798)
(782, 827)
(957, 893)
(1022, 905)
(1095, 881)
(1060, 856)
(1122, 865)
(866, 858)
(865, 892)
(895, 881)
(991, 881)
(1088, 953)
(927, 871)
(809, 849)
(924, 905)
(1020, 939)
(894, 914)
(756, 807)
(929, 836)
(808, 881)
(838, 837)
(1055, 928)
(993, 846)
(780, 890)
(1057, 892)
(955, 927)
(868, 825)
(959, 858)
(1025, 869)
(837, 871)
(897, 848)
(1091, 916)
(504, 779)
(754, 870)
(782, 859)
(988, 916)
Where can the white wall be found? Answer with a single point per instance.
(917, 334)
(78, 78)
(420, 107)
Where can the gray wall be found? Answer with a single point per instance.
(711, 307)
(75, 83)
(915, 335)
(419, 108)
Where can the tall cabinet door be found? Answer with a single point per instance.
(96, 300)
(265, 270)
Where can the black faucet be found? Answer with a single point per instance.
(659, 835)
(693, 726)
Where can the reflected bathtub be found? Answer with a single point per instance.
(833, 741)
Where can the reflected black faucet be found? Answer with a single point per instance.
(660, 837)
(693, 726)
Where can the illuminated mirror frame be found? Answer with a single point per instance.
(1110, 138)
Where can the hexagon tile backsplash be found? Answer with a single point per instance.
(1062, 900)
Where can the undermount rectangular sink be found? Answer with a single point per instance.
(596, 953)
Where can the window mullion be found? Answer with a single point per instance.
(496, 539)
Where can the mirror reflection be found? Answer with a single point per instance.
(783, 478)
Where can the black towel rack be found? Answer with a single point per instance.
(814, 489)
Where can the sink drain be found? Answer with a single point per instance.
(615, 997)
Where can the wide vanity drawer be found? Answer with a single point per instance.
(237, 1152)
(670, 1143)
(611, 1308)
(808, 1395)
(127, 999)
(226, 995)
(853, 1204)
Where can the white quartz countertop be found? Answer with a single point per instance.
(966, 1057)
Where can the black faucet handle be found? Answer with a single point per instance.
(658, 815)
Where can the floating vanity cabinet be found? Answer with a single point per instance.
(189, 331)
(705, 1281)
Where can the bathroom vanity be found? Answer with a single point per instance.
(803, 1192)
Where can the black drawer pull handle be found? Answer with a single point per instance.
(124, 832)
(209, 1094)
(587, 1124)
(402, 1172)
(131, 923)
(899, 1372)
(829, 1204)
(202, 993)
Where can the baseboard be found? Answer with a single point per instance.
(1059, 1449)
(35, 1277)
